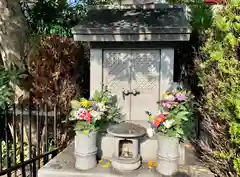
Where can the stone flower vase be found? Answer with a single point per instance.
(85, 150)
(167, 154)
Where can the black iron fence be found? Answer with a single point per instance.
(28, 139)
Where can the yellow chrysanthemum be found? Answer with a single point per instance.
(164, 95)
(105, 163)
(150, 118)
(85, 103)
(151, 164)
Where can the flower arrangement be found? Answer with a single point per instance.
(95, 113)
(174, 117)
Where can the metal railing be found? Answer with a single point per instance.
(28, 139)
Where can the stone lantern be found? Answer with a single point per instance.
(126, 156)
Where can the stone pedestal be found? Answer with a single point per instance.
(64, 165)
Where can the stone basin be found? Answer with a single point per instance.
(63, 165)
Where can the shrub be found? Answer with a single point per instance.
(52, 69)
(219, 75)
(9, 77)
(56, 17)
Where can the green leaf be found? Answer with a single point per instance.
(237, 17)
(235, 3)
(180, 131)
(171, 133)
(231, 39)
(73, 113)
(237, 165)
(217, 55)
(183, 115)
(75, 104)
(222, 23)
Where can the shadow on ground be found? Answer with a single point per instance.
(181, 174)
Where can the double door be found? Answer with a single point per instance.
(134, 77)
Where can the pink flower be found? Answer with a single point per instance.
(180, 96)
(167, 104)
(83, 114)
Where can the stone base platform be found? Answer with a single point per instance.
(63, 165)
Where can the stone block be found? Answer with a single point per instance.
(64, 165)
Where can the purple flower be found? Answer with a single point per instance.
(94, 107)
(180, 96)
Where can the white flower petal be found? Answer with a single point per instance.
(168, 123)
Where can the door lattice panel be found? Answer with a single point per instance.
(145, 70)
(117, 65)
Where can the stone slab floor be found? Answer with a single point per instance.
(63, 166)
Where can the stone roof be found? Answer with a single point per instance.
(133, 21)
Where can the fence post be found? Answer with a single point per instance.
(22, 142)
(8, 161)
(45, 160)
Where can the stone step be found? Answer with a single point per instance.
(64, 165)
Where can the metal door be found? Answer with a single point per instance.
(133, 75)
(116, 76)
(145, 82)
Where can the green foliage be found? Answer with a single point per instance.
(180, 115)
(199, 14)
(56, 17)
(237, 164)
(52, 17)
(219, 75)
(11, 152)
(175, 118)
(9, 77)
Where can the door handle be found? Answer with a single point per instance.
(125, 93)
(135, 92)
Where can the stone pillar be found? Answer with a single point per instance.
(134, 147)
(167, 69)
(117, 146)
(95, 70)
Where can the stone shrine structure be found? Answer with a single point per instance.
(132, 53)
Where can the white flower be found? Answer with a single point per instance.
(169, 97)
(101, 107)
(150, 132)
(96, 115)
(168, 123)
